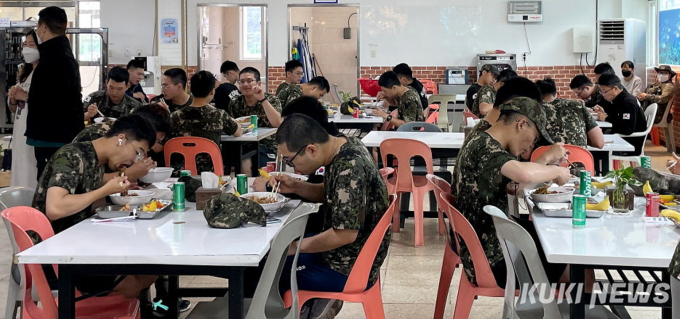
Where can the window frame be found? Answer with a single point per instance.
(243, 36)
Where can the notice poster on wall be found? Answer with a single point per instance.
(169, 31)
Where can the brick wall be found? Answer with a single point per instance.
(275, 76)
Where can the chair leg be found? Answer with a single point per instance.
(442, 225)
(464, 300)
(670, 138)
(418, 198)
(448, 267)
(13, 299)
(396, 217)
(373, 306)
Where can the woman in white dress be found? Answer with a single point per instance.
(23, 159)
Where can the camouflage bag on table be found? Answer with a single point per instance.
(229, 211)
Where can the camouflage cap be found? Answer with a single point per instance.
(531, 109)
(491, 69)
(229, 211)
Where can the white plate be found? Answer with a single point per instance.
(564, 195)
(101, 119)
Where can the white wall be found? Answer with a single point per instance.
(131, 25)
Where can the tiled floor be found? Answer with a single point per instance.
(410, 275)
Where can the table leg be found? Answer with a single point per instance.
(173, 299)
(666, 312)
(601, 163)
(256, 160)
(67, 293)
(236, 293)
(577, 275)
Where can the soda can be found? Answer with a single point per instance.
(253, 121)
(646, 162)
(271, 166)
(578, 211)
(184, 172)
(652, 205)
(178, 201)
(585, 183)
(356, 113)
(242, 183)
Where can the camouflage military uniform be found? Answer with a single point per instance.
(409, 107)
(238, 108)
(356, 199)
(661, 94)
(228, 211)
(568, 122)
(74, 167)
(171, 105)
(291, 93)
(108, 108)
(281, 91)
(93, 132)
(205, 121)
(487, 94)
(482, 126)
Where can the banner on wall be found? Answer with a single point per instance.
(169, 31)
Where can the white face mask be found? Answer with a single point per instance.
(662, 77)
(30, 54)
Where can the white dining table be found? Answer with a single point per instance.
(173, 243)
(241, 146)
(603, 124)
(613, 143)
(261, 134)
(432, 139)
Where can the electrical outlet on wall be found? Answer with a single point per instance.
(373, 53)
(128, 52)
(140, 51)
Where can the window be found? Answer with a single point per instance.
(669, 32)
(89, 45)
(251, 33)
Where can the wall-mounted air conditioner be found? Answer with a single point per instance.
(623, 40)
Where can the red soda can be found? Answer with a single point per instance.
(652, 205)
(356, 113)
(271, 166)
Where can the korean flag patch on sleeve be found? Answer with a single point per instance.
(626, 116)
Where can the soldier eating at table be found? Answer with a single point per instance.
(407, 100)
(486, 96)
(317, 88)
(73, 180)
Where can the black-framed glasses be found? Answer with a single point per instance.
(605, 92)
(289, 162)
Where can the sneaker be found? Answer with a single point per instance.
(160, 310)
(325, 309)
(184, 305)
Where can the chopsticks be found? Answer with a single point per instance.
(276, 188)
(100, 113)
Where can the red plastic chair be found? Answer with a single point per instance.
(404, 181)
(385, 172)
(355, 288)
(189, 147)
(439, 185)
(150, 96)
(486, 285)
(467, 114)
(25, 218)
(387, 126)
(577, 155)
(430, 86)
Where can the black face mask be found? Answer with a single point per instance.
(626, 73)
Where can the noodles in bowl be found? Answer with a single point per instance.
(269, 202)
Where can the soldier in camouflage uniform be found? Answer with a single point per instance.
(294, 75)
(174, 90)
(409, 107)
(480, 181)
(317, 87)
(661, 93)
(202, 120)
(254, 101)
(113, 102)
(486, 96)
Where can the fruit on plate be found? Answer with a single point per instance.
(666, 198)
(647, 189)
(236, 193)
(602, 206)
(264, 174)
(152, 206)
(670, 214)
(671, 204)
(252, 126)
(601, 185)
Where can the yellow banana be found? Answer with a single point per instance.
(670, 214)
(236, 193)
(601, 185)
(647, 189)
(666, 198)
(350, 109)
(602, 206)
(264, 174)
(251, 126)
(671, 204)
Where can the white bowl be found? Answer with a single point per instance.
(564, 195)
(101, 119)
(142, 197)
(298, 177)
(157, 175)
(242, 121)
(269, 208)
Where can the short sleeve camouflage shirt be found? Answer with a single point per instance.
(93, 132)
(674, 267)
(487, 94)
(291, 93)
(356, 199)
(205, 121)
(480, 183)
(482, 126)
(409, 107)
(568, 122)
(281, 91)
(108, 108)
(74, 167)
(238, 108)
(171, 105)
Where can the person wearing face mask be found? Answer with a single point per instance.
(55, 96)
(23, 159)
(661, 93)
(630, 81)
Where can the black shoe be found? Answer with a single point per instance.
(184, 305)
(160, 309)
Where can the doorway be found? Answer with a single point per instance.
(236, 33)
(332, 38)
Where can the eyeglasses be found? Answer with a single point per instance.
(246, 81)
(289, 162)
(165, 86)
(605, 92)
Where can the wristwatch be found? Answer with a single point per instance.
(262, 100)
(388, 118)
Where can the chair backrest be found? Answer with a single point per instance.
(463, 230)
(429, 86)
(440, 186)
(522, 261)
(267, 295)
(443, 116)
(24, 219)
(387, 125)
(358, 277)
(576, 155)
(419, 127)
(650, 114)
(385, 172)
(405, 149)
(12, 197)
(189, 147)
